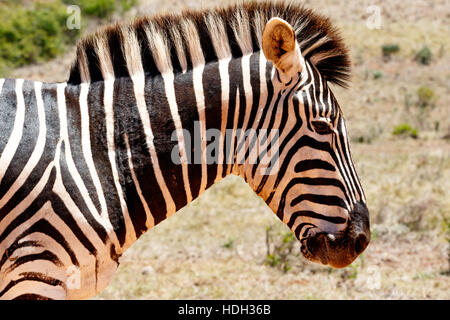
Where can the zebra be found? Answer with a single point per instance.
(86, 166)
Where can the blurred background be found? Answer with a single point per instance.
(228, 244)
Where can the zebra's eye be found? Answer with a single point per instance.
(322, 126)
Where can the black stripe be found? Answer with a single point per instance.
(31, 296)
(315, 215)
(99, 147)
(16, 245)
(61, 210)
(94, 65)
(255, 83)
(44, 255)
(212, 88)
(322, 182)
(304, 141)
(205, 40)
(124, 100)
(32, 276)
(148, 63)
(320, 199)
(115, 43)
(141, 160)
(43, 226)
(8, 105)
(299, 228)
(270, 96)
(306, 165)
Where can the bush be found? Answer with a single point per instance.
(102, 8)
(405, 129)
(38, 31)
(377, 75)
(32, 34)
(426, 97)
(389, 49)
(423, 56)
(279, 249)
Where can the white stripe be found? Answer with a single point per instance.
(139, 88)
(109, 119)
(322, 104)
(313, 83)
(233, 134)
(87, 153)
(351, 164)
(2, 81)
(86, 147)
(168, 78)
(200, 101)
(347, 184)
(37, 151)
(345, 164)
(150, 220)
(69, 160)
(330, 104)
(266, 135)
(225, 89)
(263, 97)
(248, 91)
(16, 134)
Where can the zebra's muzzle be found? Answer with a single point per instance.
(339, 250)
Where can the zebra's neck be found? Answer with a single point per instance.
(168, 138)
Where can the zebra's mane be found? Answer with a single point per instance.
(180, 42)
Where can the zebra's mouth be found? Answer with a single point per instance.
(336, 250)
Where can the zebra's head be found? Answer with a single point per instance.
(319, 195)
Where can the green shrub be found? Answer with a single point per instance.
(102, 8)
(377, 75)
(405, 129)
(32, 34)
(389, 49)
(426, 97)
(229, 244)
(423, 56)
(279, 250)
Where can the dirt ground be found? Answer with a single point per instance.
(216, 247)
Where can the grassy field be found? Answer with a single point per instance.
(217, 247)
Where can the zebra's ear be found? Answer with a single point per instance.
(280, 46)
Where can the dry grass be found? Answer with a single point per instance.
(215, 248)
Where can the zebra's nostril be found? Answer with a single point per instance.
(361, 243)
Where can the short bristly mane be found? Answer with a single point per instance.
(180, 42)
